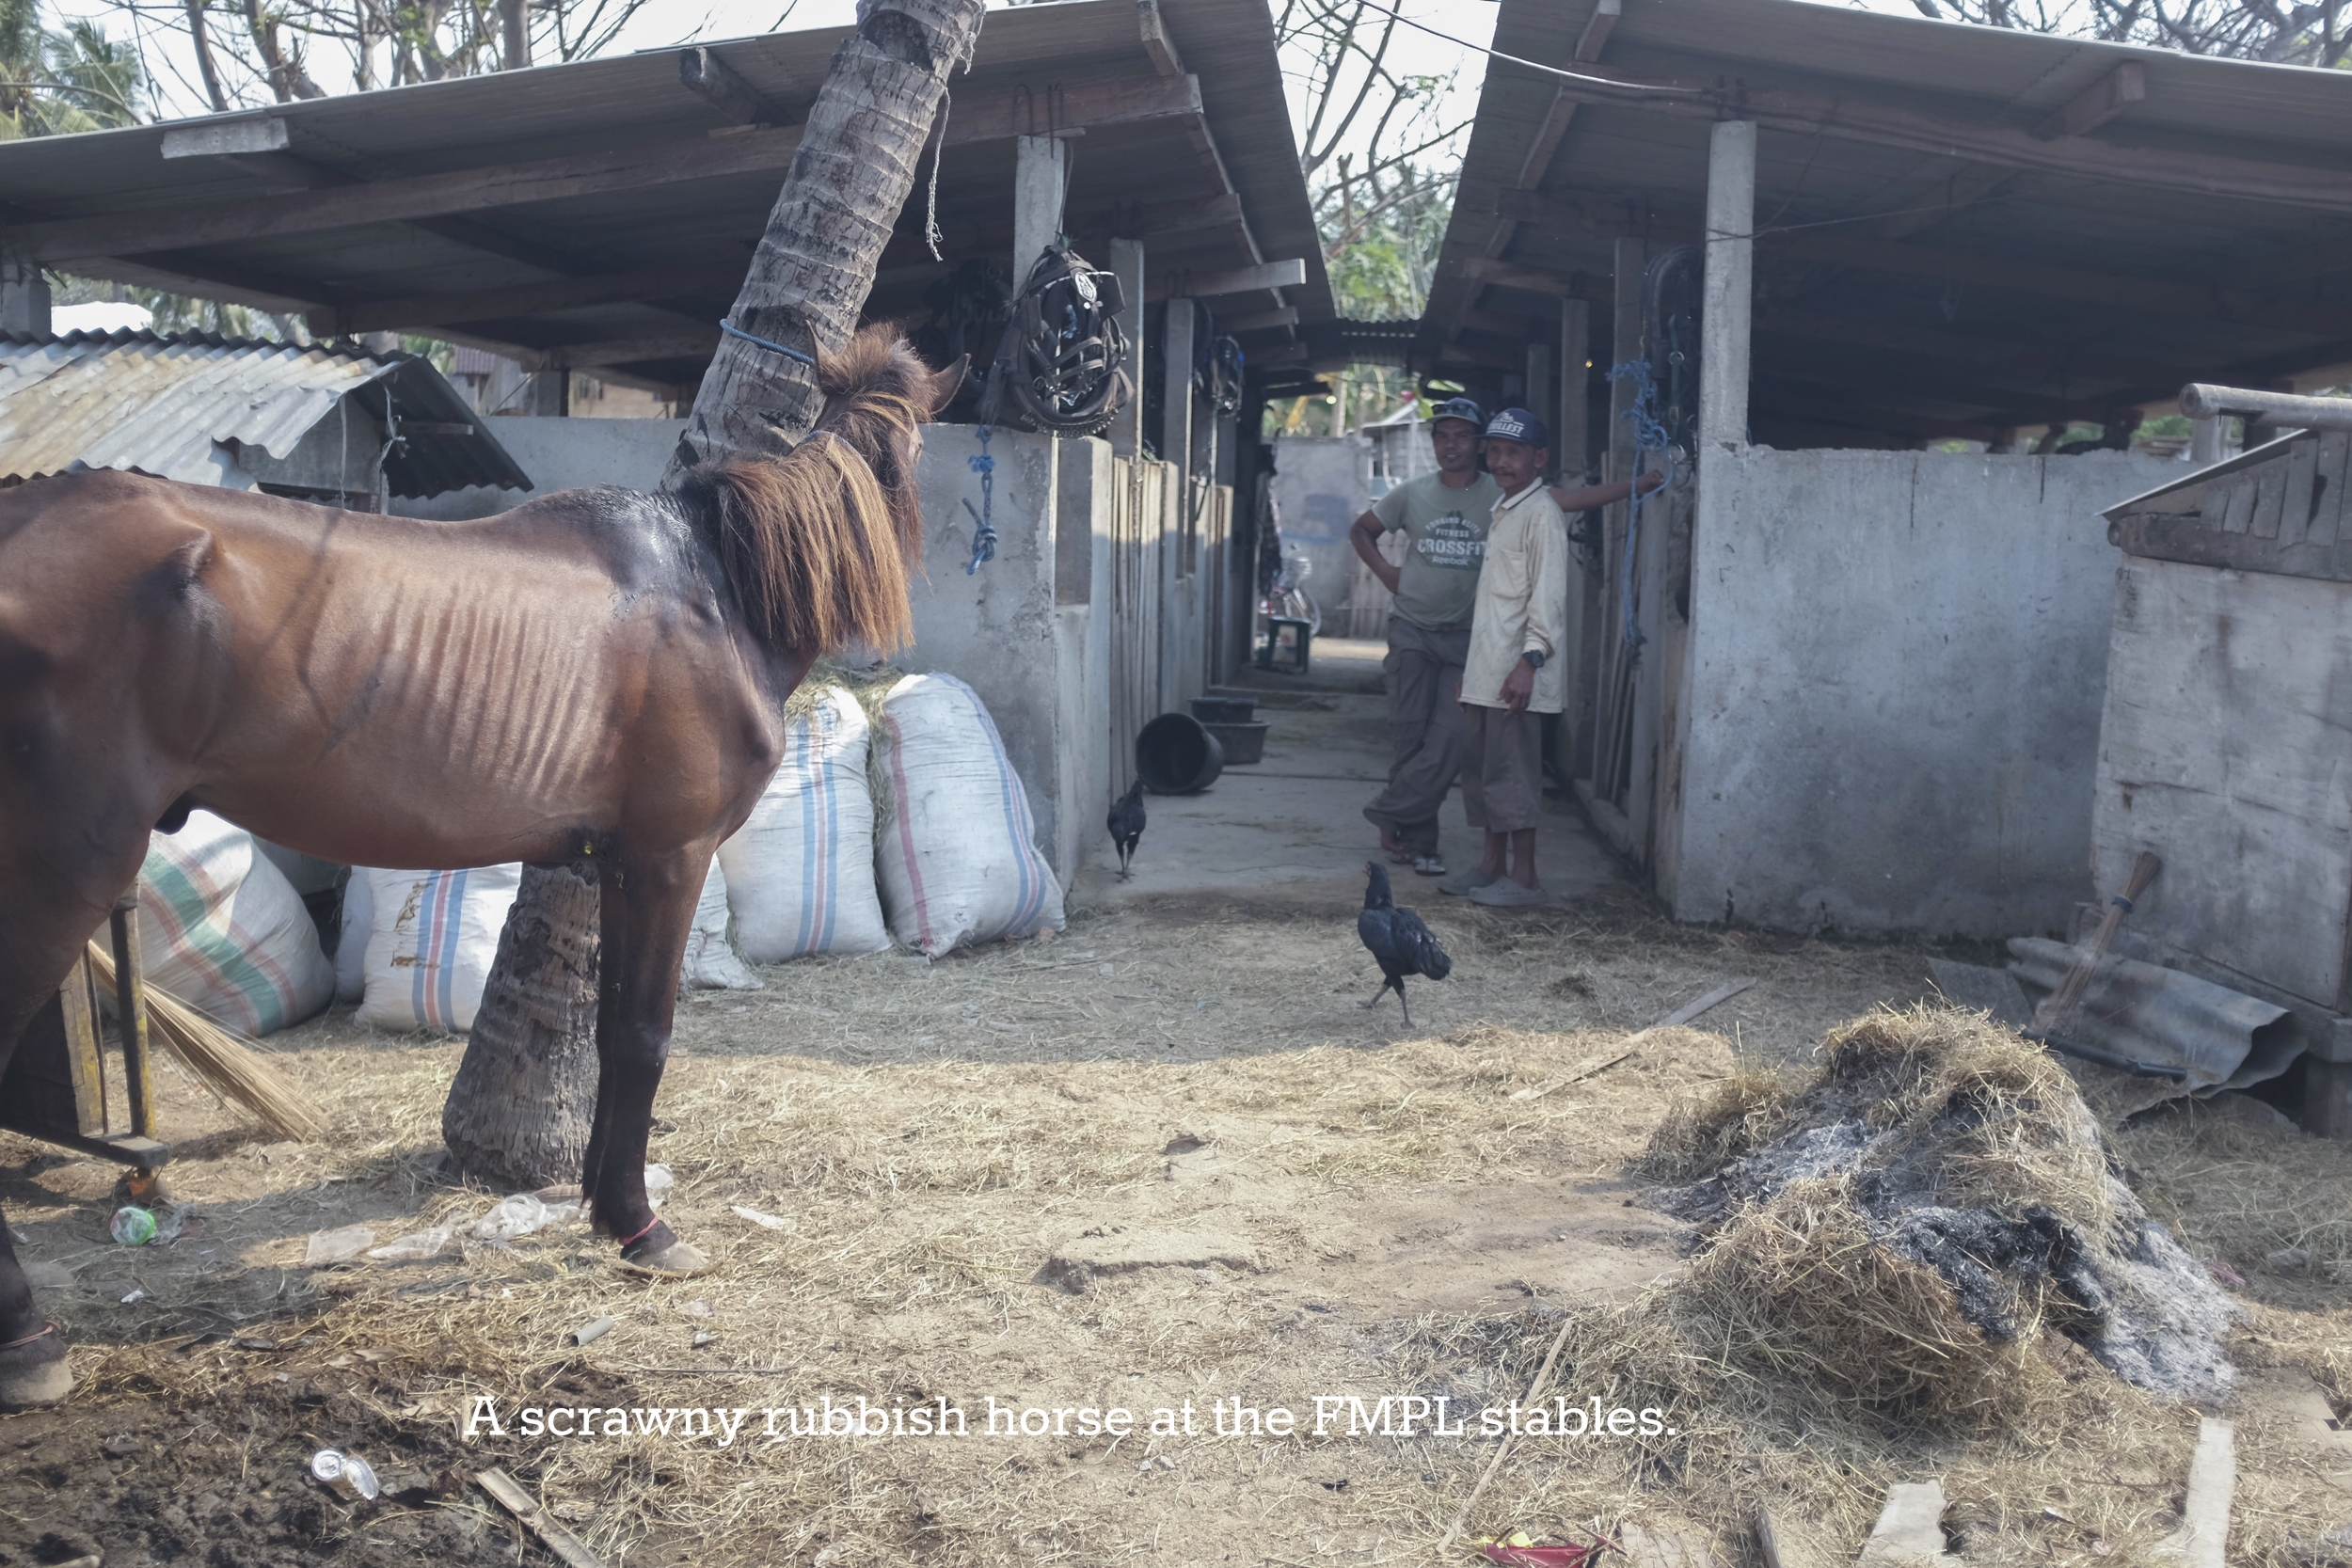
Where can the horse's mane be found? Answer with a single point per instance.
(816, 542)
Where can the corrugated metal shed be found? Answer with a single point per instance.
(601, 215)
(180, 407)
(1908, 291)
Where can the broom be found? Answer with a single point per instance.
(222, 1061)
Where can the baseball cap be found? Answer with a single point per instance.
(1517, 425)
(1458, 408)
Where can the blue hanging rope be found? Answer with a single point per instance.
(734, 331)
(983, 533)
(1649, 435)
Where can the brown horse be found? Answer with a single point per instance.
(597, 676)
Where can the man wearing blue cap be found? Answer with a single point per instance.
(1514, 673)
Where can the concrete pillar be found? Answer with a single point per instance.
(1730, 290)
(1125, 434)
(1571, 441)
(2204, 441)
(24, 299)
(1040, 171)
(1176, 351)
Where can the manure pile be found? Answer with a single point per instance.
(1905, 1226)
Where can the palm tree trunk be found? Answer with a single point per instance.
(518, 1110)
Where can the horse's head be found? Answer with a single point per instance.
(878, 396)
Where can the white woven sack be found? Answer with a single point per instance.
(955, 857)
(351, 944)
(800, 870)
(432, 940)
(221, 929)
(711, 963)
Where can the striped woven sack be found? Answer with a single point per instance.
(800, 870)
(221, 929)
(432, 941)
(956, 855)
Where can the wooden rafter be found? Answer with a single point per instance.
(497, 187)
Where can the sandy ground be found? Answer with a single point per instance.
(1162, 1163)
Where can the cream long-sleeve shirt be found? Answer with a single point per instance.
(1522, 602)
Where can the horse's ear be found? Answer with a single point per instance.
(945, 383)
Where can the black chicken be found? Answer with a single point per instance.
(1126, 825)
(1401, 944)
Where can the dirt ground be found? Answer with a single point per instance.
(1163, 1162)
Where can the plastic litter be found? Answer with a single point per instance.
(521, 1215)
(337, 1246)
(588, 1332)
(413, 1247)
(658, 1185)
(347, 1475)
(133, 1225)
(766, 1222)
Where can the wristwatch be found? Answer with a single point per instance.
(1535, 657)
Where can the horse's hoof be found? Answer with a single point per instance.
(34, 1371)
(678, 1260)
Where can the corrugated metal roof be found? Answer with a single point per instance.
(176, 406)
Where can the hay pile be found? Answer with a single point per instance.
(1904, 1228)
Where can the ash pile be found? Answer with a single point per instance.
(1939, 1177)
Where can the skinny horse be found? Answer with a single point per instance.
(597, 677)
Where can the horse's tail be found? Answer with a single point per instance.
(810, 546)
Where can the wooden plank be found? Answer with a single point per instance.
(2333, 503)
(503, 185)
(2224, 744)
(2097, 104)
(2269, 500)
(2202, 1540)
(1234, 281)
(1848, 119)
(2295, 496)
(2238, 501)
(87, 1067)
(2187, 537)
(524, 1507)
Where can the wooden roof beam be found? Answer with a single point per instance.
(1546, 145)
(2147, 295)
(2326, 189)
(626, 350)
(709, 77)
(637, 285)
(1236, 280)
(2097, 104)
(482, 189)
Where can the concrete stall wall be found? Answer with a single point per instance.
(1891, 707)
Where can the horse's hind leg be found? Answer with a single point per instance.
(649, 907)
(54, 891)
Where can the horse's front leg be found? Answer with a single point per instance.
(648, 909)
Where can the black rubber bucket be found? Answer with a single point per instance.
(1224, 710)
(1174, 755)
(1243, 743)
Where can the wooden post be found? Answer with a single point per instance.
(24, 299)
(1571, 439)
(860, 150)
(1612, 671)
(1542, 401)
(1126, 431)
(515, 28)
(1039, 179)
(1729, 289)
(1176, 353)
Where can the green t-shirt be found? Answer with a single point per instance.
(1447, 530)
